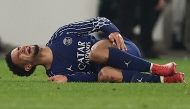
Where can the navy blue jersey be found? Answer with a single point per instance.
(71, 46)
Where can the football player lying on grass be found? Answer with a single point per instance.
(74, 55)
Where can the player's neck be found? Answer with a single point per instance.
(44, 57)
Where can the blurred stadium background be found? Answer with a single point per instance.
(34, 21)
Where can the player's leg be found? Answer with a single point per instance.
(105, 52)
(126, 61)
(109, 74)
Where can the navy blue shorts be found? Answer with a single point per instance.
(132, 48)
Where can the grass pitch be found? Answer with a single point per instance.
(36, 93)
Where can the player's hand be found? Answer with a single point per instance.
(116, 36)
(58, 78)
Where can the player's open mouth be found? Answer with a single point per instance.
(28, 50)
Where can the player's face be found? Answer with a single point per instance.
(24, 54)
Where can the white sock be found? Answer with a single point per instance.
(151, 65)
(162, 79)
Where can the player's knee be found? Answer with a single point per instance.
(98, 54)
(103, 75)
(109, 74)
(93, 55)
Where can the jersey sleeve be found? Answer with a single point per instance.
(85, 27)
(77, 76)
(82, 77)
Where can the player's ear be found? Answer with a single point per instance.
(27, 67)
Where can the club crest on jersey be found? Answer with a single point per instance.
(67, 41)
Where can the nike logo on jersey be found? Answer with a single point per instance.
(127, 63)
(140, 80)
(70, 68)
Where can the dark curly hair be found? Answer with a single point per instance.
(16, 69)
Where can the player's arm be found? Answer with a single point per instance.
(85, 27)
(76, 77)
(106, 74)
